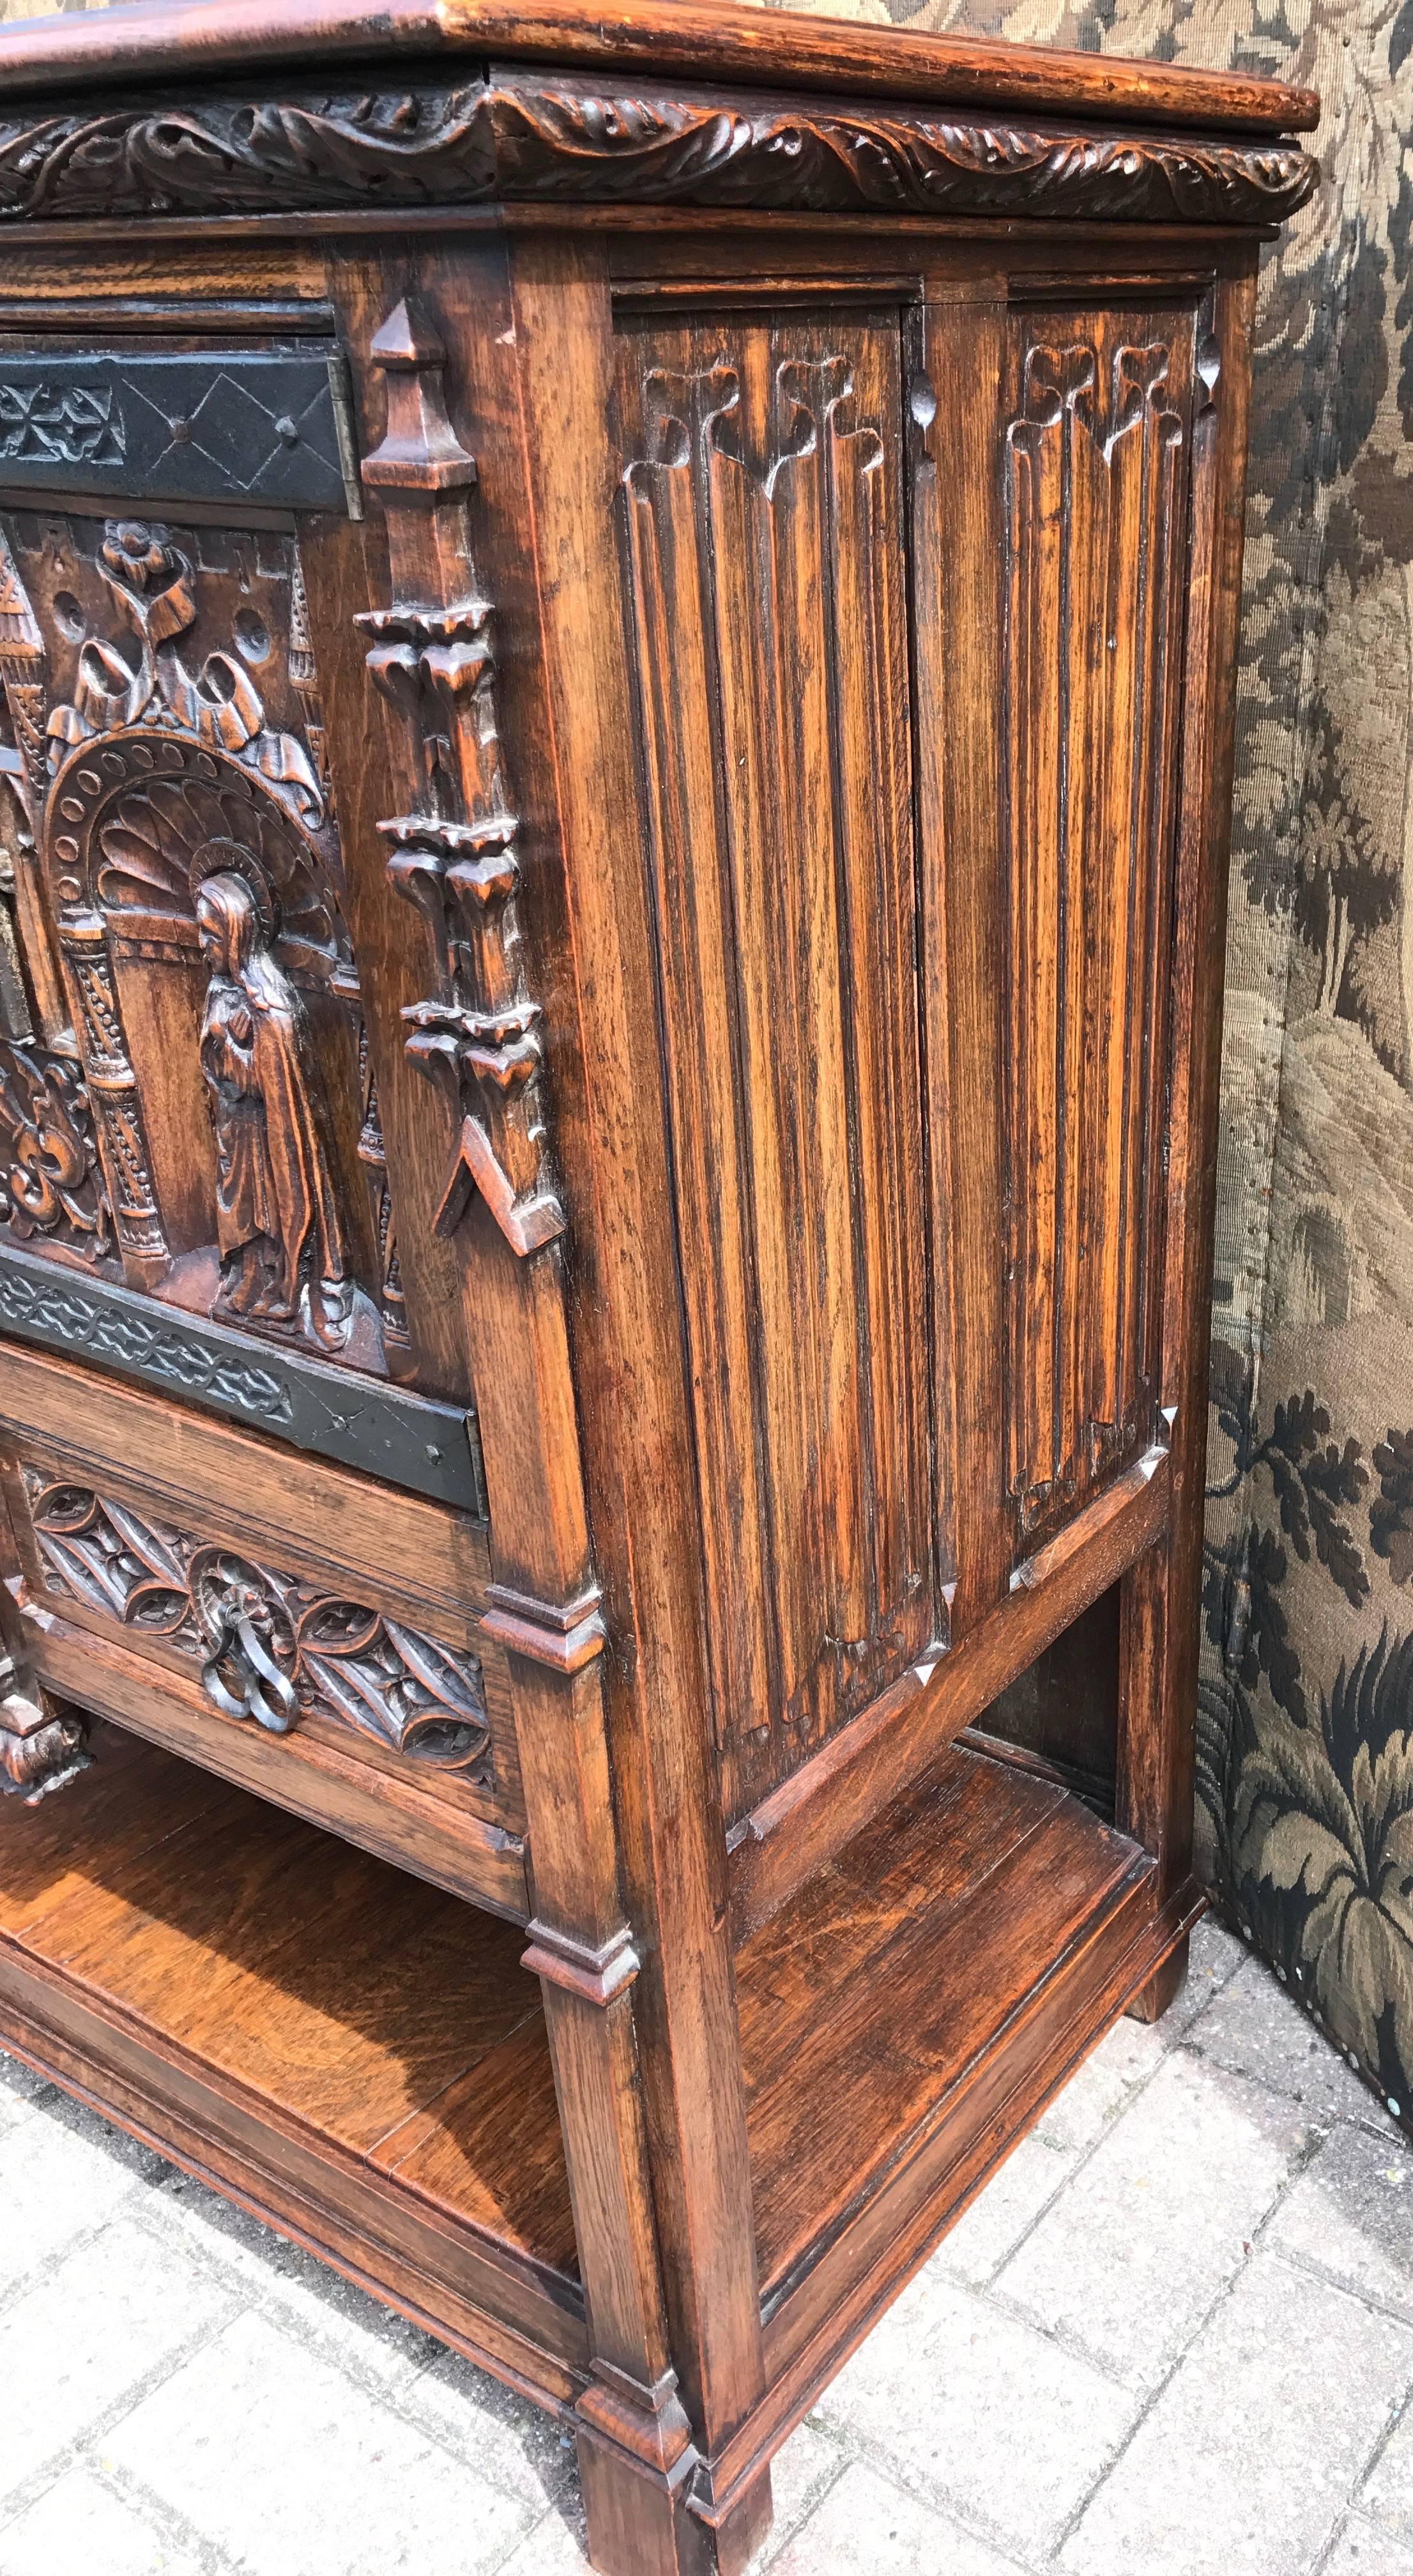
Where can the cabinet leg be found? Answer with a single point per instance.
(1152, 2001)
(43, 1742)
(640, 2523)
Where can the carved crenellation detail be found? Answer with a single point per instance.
(565, 137)
(454, 856)
(305, 676)
(22, 661)
(1084, 1089)
(271, 1648)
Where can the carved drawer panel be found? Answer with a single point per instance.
(281, 1621)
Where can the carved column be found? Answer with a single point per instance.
(113, 1089)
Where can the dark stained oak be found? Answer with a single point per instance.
(612, 853)
(155, 39)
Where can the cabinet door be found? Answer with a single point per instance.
(763, 498)
(1097, 441)
(191, 1091)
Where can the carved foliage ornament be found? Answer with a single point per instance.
(570, 138)
(271, 1649)
(50, 1182)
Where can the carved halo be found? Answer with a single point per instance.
(232, 858)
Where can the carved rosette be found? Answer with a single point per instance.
(271, 1649)
(453, 851)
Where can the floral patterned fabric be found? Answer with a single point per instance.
(1306, 1719)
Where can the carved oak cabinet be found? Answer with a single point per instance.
(616, 636)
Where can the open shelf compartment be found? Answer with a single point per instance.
(341, 2047)
(363, 2061)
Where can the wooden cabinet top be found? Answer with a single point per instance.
(667, 101)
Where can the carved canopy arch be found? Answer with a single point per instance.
(139, 819)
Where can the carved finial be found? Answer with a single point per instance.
(420, 451)
(407, 339)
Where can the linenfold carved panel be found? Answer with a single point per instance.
(271, 1648)
(161, 693)
(763, 502)
(1097, 462)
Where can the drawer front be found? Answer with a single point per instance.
(280, 1620)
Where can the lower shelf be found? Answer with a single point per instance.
(364, 2062)
(355, 2054)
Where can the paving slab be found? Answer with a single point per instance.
(1005, 2211)
(370, 2341)
(1250, 2454)
(1126, 2262)
(1387, 2497)
(83, 2340)
(866, 2526)
(1350, 2215)
(59, 2179)
(1361, 2550)
(288, 2464)
(1257, 2028)
(978, 2413)
(83, 2527)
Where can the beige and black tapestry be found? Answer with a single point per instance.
(1306, 1744)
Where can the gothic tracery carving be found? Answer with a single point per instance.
(271, 1649)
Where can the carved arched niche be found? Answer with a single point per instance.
(194, 874)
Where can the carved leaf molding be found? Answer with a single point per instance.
(522, 137)
(271, 1648)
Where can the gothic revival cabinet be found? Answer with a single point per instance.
(615, 644)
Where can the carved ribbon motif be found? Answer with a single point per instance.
(454, 853)
(271, 1648)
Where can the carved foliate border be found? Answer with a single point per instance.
(571, 138)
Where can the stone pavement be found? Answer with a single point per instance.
(1176, 2335)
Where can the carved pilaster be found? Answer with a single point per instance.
(112, 1088)
(432, 655)
(372, 1154)
(22, 678)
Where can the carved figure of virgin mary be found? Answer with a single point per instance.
(274, 1198)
